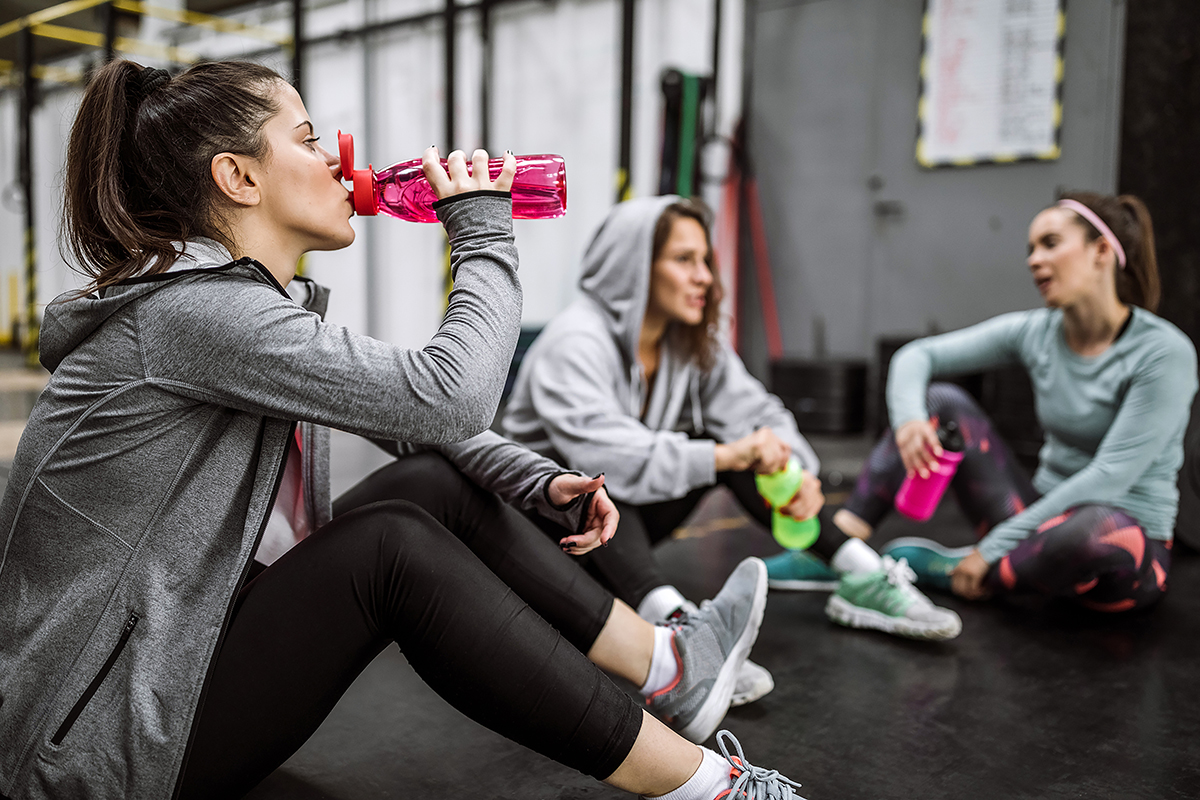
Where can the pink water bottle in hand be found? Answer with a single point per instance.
(918, 497)
(539, 189)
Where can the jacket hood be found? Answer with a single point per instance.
(72, 316)
(616, 266)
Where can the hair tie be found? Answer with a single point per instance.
(1097, 223)
(148, 80)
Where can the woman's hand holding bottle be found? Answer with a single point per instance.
(761, 451)
(919, 447)
(457, 180)
(809, 499)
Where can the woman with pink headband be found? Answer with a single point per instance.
(1114, 384)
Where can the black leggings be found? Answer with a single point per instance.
(389, 571)
(1094, 553)
(627, 566)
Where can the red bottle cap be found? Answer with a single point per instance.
(363, 194)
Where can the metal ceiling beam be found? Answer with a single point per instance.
(122, 43)
(197, 20)
(47, 15)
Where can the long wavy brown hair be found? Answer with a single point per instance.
(699, 342)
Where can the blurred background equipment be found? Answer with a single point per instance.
(576, 77)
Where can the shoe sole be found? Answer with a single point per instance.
(927, 544)
(705, 723)
(843, 612)
(791, 585)
(755, 692)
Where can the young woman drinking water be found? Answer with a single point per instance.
(182, 420)
(1113, 385)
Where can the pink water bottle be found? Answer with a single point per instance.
(918, 497)
(539, 189)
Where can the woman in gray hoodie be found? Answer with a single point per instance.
(633, 380)
(184, 419)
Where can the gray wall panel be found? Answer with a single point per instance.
(833, 131)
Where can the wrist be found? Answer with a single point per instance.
(722, 457)
(569, 504)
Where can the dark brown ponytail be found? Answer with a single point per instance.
(1129, 219)
(138, 176)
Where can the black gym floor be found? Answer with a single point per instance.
(1033, 700)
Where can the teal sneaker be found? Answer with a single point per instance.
(931, 561)
(886, 600)
(800, 571)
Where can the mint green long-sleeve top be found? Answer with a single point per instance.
(1114, 422)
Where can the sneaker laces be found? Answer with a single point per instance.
(902, 576)
(899, 573)
(754, 783)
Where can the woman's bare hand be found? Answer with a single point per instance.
(919, 446)
(967, 578)
(456, 179)
(808, 500)
(602, 515)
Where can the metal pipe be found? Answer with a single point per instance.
(25, 175)
(716, 65)
(750, 12)
(375, 306)
(110, 32)
(451, 38)
(349, 34)
(485, 78)
(625, 156)
(298, 47)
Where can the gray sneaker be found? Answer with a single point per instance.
(753, 681)
(711, 644)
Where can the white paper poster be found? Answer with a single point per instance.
(991, 78)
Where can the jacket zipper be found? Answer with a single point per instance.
(229, 613)
(92, 688)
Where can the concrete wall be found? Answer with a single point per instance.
(833, 129)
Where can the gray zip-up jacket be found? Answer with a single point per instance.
(144, 479)
(580, 391)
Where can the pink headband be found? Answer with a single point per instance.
(1098, 224)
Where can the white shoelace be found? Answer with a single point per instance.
(902, 576)
(754, 783)
(899, 573)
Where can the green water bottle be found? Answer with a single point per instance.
(778, 488)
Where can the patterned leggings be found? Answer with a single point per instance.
(1095, 553)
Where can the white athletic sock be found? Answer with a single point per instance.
(660, 603)
(709, 780)
(663, 664)
(855, 555)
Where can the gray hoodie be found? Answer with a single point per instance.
(145, 476)
(580, 391)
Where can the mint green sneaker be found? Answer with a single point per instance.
(931, 561)
(886, 600)
(800, 571)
